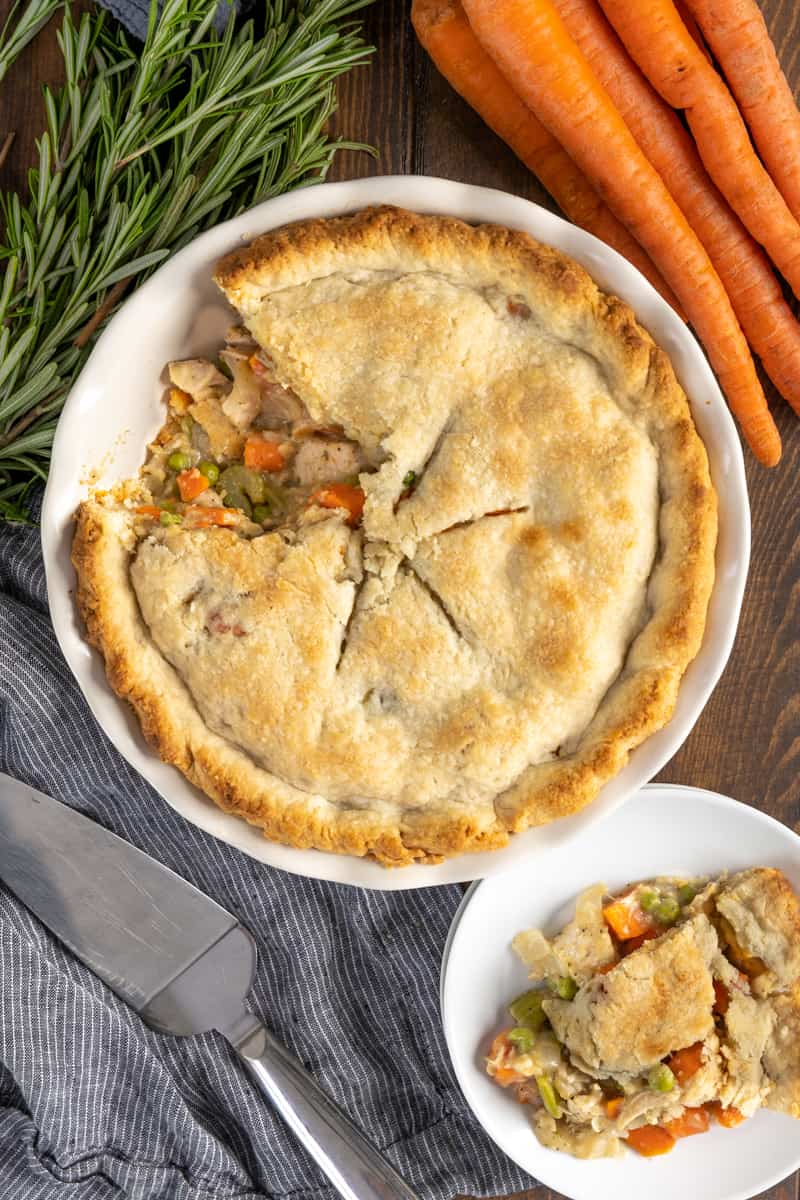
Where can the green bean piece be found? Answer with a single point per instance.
(409, 479)
(661, 1079)
(648, 900)
(565, 987)
(242, 487)
(527, 1009)
(549, 1096)
(686, 894)
(178, 461)
(261, 513)
(168, 518)
(210, 470)
(522, 1038)
(667, 911)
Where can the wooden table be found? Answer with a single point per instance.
(747, 742)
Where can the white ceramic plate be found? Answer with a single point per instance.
(115, 408)
(662, 830)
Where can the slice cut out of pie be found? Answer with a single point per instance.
(423, 557)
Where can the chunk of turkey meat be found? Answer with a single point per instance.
(321, 461)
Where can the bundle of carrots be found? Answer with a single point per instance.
(585, 92)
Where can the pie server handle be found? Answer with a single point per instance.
(352, 1164)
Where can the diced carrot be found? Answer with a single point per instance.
(191, 483)
(722, 998)
(201, 517)
(148, 510)
(340, 495)
(500, 1046)
(690, 1122)
(505, 1076)
(729, 1118)
(613, 1105)
(686, 1063)
(256, 365)
(650, 1140)
(626, 918)
(263, 454)
(500, 1049)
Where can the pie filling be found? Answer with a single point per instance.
(238, 450)
(656, 1012)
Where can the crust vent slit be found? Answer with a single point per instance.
(439, 602)
(351, 618)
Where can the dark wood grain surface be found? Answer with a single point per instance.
(747, 742)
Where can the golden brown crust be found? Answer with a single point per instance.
(635, 371)
(782, 1055)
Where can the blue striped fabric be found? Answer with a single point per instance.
(94, 1105)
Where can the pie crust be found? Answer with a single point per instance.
(511, 630)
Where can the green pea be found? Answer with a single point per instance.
(261, 513)
(522, 1039)
(667, 911)
(527, 1009)
(168, 518)
(549, 1096)
(648, 900)
(661, 1079)
(178, 461)
(686, 894)
(210, 470)
(409, 479)
(565, 987)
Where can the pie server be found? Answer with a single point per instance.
(182, 962)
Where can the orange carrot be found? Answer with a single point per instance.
(191, 483)
(201, 517)
(626, 918)
(650, 1140)
(749, 280)
(686, 1063)
(149, 510)
(444, 31)
(263, 454)
(340, 495)
(529, 43)
(665, 50)
(738, 35)
(501, 1050)
(692, 26)
(613, 1105)
(728, 1118)
(690, 1122)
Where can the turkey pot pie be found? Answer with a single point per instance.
(423, 557)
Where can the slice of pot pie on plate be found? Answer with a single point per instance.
(421, 558)
(663, 1026)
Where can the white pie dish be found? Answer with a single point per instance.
(664, 829)
(115, 408)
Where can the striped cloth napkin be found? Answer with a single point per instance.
(94, 1105)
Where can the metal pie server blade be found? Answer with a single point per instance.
(183, 962)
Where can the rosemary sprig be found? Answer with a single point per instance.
(143, 149)
(21, 27)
